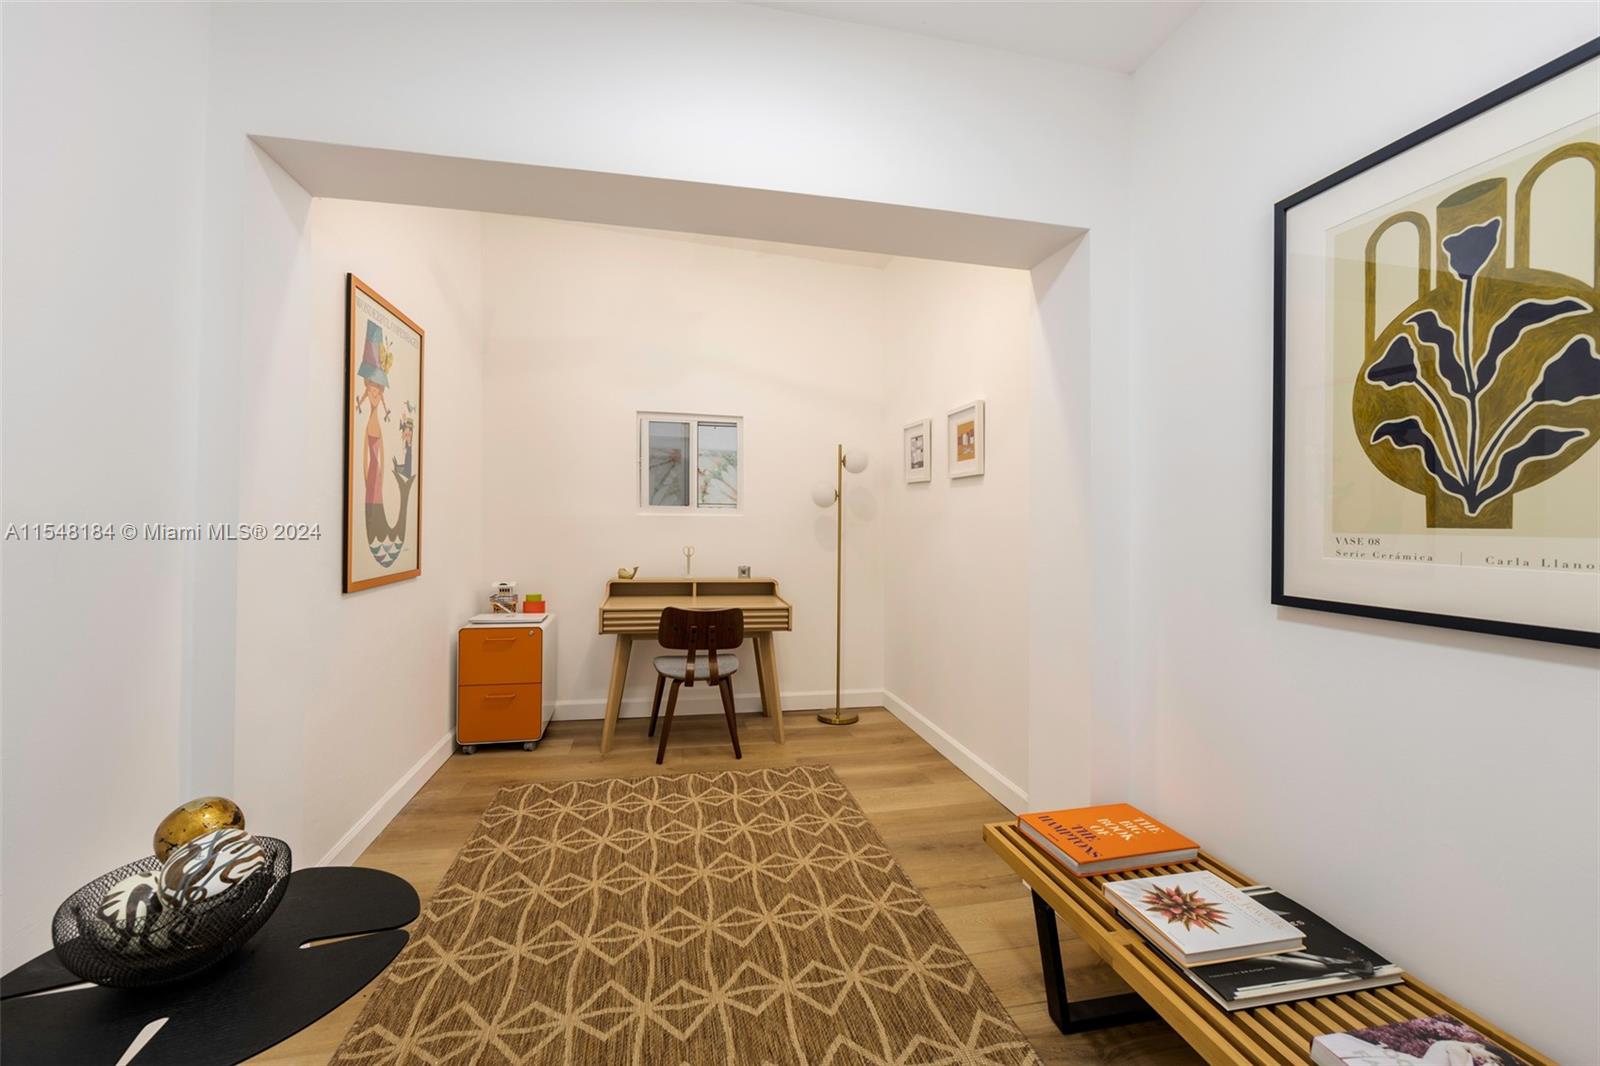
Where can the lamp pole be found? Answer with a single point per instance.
(838, 717)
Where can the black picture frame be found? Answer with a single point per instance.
(1534, 78)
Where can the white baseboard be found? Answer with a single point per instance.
(380, 814)
(990, 779)
(698, 701)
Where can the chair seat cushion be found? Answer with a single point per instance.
(676, 666)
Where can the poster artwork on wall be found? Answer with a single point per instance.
(917, 450)
(383, 441)
(1437, 373)
(964, 432)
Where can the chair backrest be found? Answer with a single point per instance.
(707, 631)
(683, 630)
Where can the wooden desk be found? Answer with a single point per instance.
(632, 609)
(1259, 1036)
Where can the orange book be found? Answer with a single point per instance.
(1106, 839)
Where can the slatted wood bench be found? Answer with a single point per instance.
(1260, 1036)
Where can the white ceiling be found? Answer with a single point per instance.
(1110, 34)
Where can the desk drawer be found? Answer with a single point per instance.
(488, 714)
(501, 655)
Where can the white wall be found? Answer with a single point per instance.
(741, 95)
(207, 241)
(726, 93)
(102, 272)
(1434, 792)
(957, 572)
(588, 325)
(1077, 628)
(339, 697)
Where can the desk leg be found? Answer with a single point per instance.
(761, 675)
(619, 677)
(1103, 1012)
(769, 678)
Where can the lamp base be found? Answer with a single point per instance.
(838, 717)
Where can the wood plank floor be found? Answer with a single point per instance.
(929, 814)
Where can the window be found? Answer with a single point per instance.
(689, 462)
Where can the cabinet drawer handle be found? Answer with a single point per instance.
(500, 696)
(499, 640)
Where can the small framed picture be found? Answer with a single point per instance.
(916, 450)
(965, 434)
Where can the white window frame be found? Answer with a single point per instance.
(694, 421)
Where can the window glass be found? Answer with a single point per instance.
(669, 464)
(718, 464)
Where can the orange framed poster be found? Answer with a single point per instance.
(383, 441)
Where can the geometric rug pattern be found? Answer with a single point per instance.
(743, 917)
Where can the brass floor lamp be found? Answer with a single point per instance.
(826, 495)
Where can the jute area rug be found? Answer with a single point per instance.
(744, 917)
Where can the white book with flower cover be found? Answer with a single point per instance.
(1198, 917)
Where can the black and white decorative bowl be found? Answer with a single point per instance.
(175, 942)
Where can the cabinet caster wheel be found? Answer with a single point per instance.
(529, 745)
(468, 749)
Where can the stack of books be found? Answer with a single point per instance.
(1196, 918)
(1417, 1042)
(1330, 961)
(1247, 947)
(1243, 947)
(1107, 839)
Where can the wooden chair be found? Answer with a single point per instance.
(692, 632)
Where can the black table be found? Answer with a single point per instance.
(261, 995)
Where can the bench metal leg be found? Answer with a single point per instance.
(1104, 1012)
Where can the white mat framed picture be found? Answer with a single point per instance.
(1437, 384)
(916, 451)
(964, 434)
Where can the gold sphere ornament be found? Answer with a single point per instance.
(195, 819)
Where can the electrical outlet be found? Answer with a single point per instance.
(744, 571)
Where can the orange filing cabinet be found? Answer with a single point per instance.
(503, 678)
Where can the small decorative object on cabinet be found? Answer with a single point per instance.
(624, 574)
(503, 598)
(964, 437)
(1437, 385)
(505, 666)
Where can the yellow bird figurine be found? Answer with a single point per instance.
(624, 574)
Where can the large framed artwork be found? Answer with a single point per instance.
(1437, 384)
(383, 441)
